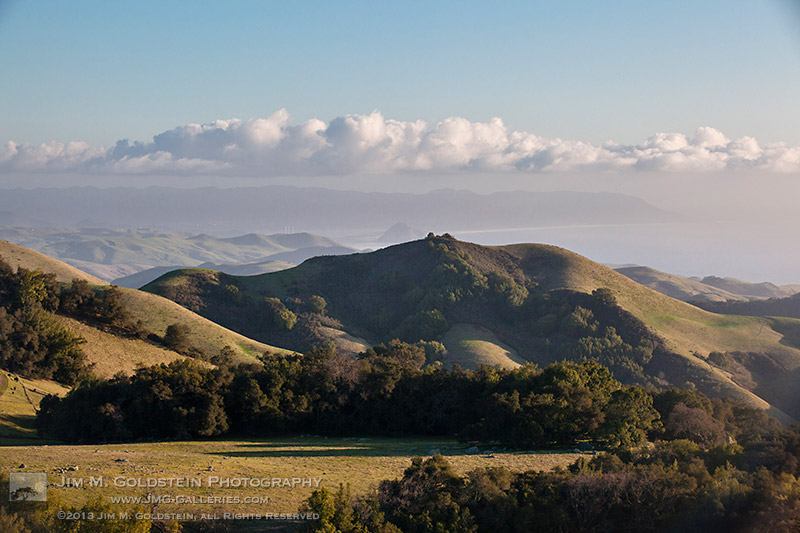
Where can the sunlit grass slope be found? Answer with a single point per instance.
(470, 346)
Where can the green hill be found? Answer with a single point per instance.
(110, 353)
(541, 301)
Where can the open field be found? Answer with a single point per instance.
(360, 462)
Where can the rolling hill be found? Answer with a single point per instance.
(110, 353)
(708, 289)
(541, 302)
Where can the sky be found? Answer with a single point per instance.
(622, 71)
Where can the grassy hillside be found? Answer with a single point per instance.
(157, 313)
(536, 299)
(19, 256)
(19, 399)
(110, 353)
(675, 286)
(470, 346)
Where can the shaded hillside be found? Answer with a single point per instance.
(708, 289)
(544, 302)
(786, 307)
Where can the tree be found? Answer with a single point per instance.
(278, 315)
(629, 416)
(317, 304)
(176, 337)
(694, 424)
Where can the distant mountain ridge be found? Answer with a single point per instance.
(111, 254)
(269, 209)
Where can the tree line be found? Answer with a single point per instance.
(387, 391)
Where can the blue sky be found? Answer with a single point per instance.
(586, 70)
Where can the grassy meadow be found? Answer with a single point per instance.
(361, 463)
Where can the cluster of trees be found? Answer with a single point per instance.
(100, 307)
(32, 342)
(291, 322)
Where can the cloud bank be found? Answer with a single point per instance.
(364, 144)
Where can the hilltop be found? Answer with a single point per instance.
(542, 304)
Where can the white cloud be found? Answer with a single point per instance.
(354, 144)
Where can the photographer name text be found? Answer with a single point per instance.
(193, 482)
